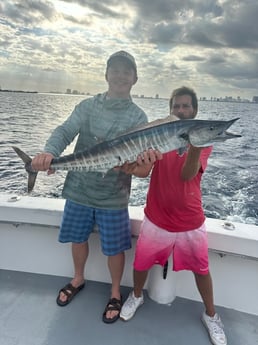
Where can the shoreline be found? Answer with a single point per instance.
(135, 97)
(18, 91)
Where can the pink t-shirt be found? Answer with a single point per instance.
(174, 204)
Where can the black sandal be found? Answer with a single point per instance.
(70, 291)
(113, 304)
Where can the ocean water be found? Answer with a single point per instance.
(229, 185)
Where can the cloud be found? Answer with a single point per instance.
(174, 42)
(28, 12)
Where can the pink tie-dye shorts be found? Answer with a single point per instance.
(155, 245)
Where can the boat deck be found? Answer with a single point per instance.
(30, 316)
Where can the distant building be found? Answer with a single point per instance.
(255, 99)
(68, 91)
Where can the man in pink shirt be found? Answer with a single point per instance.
(174, 219)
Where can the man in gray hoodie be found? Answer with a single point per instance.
(92, 198)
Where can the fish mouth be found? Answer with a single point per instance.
(229, 135)
(224, 134)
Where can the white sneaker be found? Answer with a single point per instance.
(130, 306)
(215, 327)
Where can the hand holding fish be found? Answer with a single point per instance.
(149, 157)
(143, 164)
(42, 162)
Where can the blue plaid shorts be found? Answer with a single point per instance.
(113, 225)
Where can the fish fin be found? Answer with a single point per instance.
(184, 136)
(32, 175)
(182, 150)
(31, 180)
(25, 158)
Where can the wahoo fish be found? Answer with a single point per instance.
(163, 135)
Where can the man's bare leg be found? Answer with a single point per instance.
(116, 268)
(139, 278)
(204, 285)
(80, 252)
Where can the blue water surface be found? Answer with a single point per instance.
(230, 183)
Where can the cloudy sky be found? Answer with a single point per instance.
(52, 45)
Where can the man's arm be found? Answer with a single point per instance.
(192, 163)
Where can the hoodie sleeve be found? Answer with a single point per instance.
(64, 134)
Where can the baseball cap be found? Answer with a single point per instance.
(123, 54)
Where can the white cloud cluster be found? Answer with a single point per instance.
(54, 45)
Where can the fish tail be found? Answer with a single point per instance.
(32, 175)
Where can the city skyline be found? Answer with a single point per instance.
(55, 45)
(254, 99)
